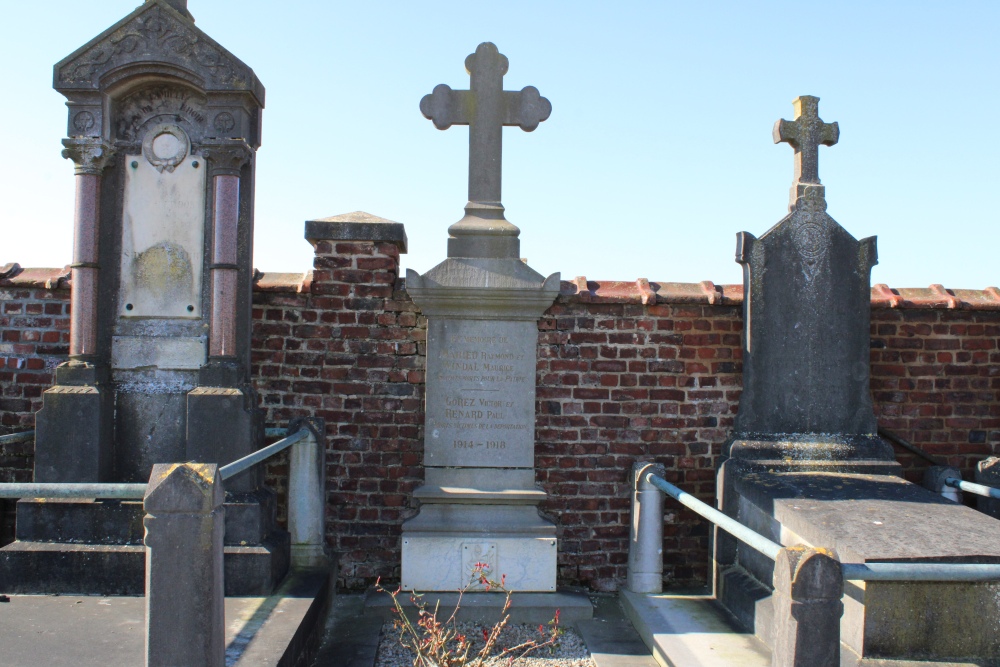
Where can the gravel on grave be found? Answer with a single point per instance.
(569, 652)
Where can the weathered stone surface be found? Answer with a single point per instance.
(185, 622)
(988, 474)
(808, 586)
(806, 308)
(872, 518)
(70, 431)
(357, 226)
(485, 108)
(163, 234)
(163, 128)
(221, 428)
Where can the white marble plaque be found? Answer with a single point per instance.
(163, 229)
(480, 393)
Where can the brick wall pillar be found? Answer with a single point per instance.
(367, 385)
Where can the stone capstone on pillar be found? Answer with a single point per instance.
(808, 586)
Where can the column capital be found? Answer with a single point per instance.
(226, 158)
(90, 155)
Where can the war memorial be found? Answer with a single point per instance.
(205, 443)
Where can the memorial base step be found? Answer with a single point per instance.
(446, 562)
(46, 568)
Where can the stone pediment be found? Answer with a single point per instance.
(156, 34)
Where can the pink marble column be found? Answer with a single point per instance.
(90, 156)
(83, 322)
(222, 339)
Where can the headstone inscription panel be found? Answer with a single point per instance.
(480, 393)
(479, 500)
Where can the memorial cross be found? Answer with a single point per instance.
(485, 108)
(805, 134)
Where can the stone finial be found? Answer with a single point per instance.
(90, 154)
(485, 108)
(805, 134)
(183, 487)
(180, 5)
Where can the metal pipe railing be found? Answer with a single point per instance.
(250, 460)
(921, 571)
(851, 571)
(135, 491)
(731, 526)
(11, 438)
(972, 487)
(60, 490)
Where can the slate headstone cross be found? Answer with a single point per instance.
(805, 134)
(485, 108)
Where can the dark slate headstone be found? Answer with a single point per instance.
(807, 309)
(805, 465)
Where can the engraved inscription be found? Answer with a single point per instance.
(480, 396)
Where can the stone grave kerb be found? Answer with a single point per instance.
(806, 393)
(479, 501)
(159, 359)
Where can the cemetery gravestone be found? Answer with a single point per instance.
(479, 502)
(163, 127)
(804, 464)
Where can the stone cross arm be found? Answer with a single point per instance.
(525, 108)
(805, 134)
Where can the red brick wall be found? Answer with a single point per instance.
(622, 382)
(349, 349)
(34, 338)
(626, 371)
(936, 382)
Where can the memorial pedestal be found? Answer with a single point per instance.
(479, 503)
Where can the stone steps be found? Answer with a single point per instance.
(46, 568)
(690, 631)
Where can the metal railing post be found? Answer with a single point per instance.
(645, 549)
(306, 495)
(185, 618)
(808, 587)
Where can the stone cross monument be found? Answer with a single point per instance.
(805, 355)
(479, 501)
(163, 129)
(486, 108)
(805, 464)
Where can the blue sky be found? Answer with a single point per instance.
(657, 153)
